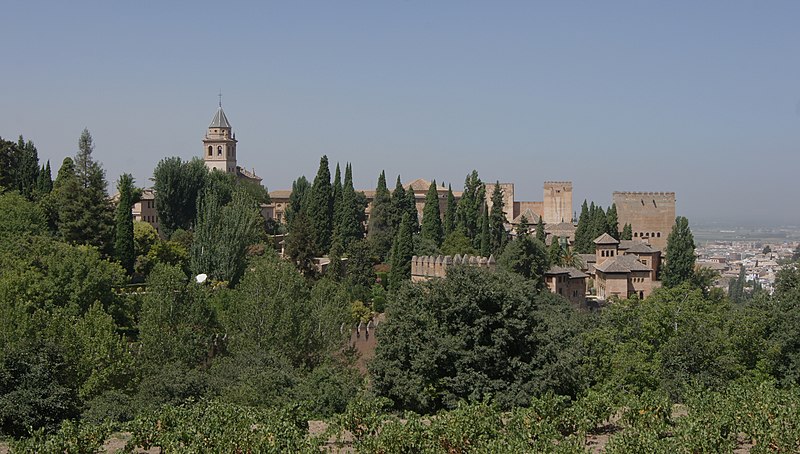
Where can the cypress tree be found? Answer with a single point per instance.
(27, 168)
(555, 254)
(380, 219)
(680, 258)
(336, 194)
(301, 189)
(599, 223)
(320, 208)
(402, 252)
(431, 217)
(44, 181)
(398, 205)
(485, 240)
(582, 233)
(612, 221)
(497, 221)
(522, 227)
(468, 214)
(123, 227)
(450, 213)
(627, 233)
(349, 227)
(541, 235)
(411, 209)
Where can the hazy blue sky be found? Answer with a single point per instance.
(700, 98)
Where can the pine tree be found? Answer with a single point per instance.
(88, 219)
(583, 244)
(680, 258)
(485, 239)
(497, 221)
(431, 217)
(612, 221)
(627, 233)
(123, 227)
(402, 251)
(541, 235)
(380, 231)
(450, 213)
(320, 208)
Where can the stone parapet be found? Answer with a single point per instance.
(428, 266)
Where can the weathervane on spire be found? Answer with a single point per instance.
(220, 97)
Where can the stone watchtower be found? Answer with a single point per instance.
(219, 145)
(557, 202)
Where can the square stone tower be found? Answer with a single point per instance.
(508, 198)
(557, 202)
(650, 214)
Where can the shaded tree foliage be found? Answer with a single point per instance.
(472, 335)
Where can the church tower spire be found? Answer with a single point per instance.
(219, 144)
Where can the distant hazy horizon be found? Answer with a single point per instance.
(699, 98)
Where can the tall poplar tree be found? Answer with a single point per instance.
(380, 232)
(402, 252)
(320, 208)
(178, 184)
(449, 224)
(123, 227)
(680, 258)
(431, 216)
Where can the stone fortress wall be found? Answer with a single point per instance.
(650, 214)
(429, 266)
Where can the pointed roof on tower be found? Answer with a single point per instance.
(220, 120)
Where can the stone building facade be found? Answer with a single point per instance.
(219, 148)
(557, 202)
(567, 282)
(625, 268)
(650, 214)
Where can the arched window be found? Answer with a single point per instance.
(219, 150)
(210, 150)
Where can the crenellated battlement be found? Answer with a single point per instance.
(558, 183)
(639, 194)
(429, 266)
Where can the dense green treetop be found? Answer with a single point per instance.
(319, 208)
(177, 186)
(124, 251)
(381, 219)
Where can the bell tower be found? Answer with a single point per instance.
(219, 144)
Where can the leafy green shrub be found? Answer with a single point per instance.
(70, 438)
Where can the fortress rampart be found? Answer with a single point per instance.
(429, 266)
